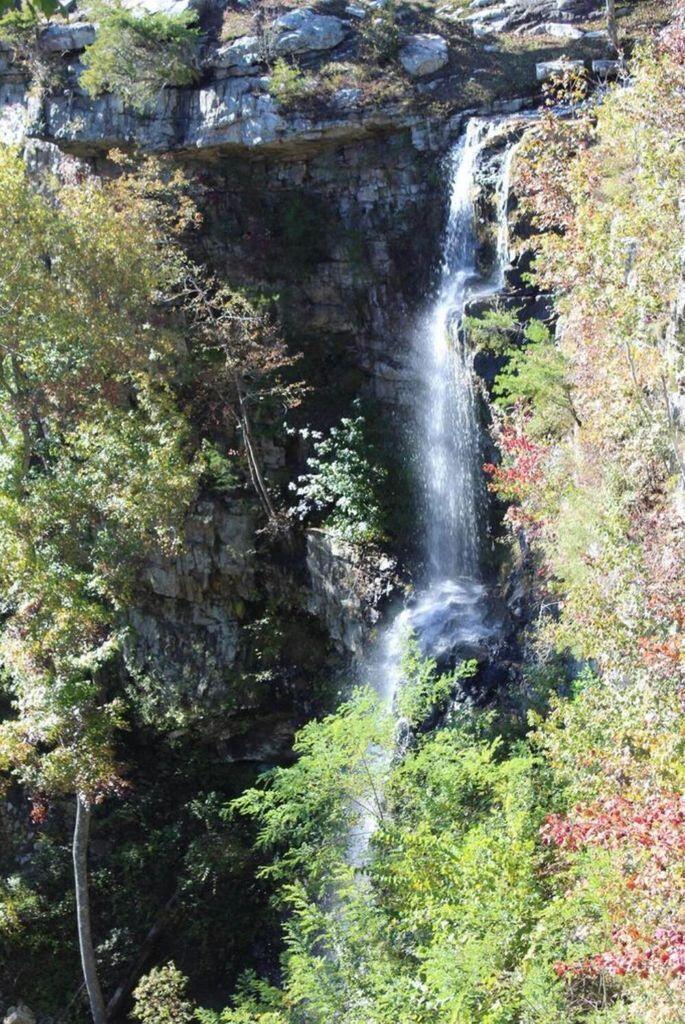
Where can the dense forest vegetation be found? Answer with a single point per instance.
(517, 859)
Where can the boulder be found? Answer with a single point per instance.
(557, 30)
(528, 16)
(240, 56)
(65, 38)
(302, 30)
(547, 69)
(608, 68)
(423, 54)
(19, 1015)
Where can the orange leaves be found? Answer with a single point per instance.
(647, 842)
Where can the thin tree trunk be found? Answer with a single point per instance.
(256, 476)
(612, 26)
(85, 937)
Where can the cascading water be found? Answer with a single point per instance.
(447, 428)
(450, 611)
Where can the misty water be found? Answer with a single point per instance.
(450, 610)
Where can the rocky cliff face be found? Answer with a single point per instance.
(331, 203)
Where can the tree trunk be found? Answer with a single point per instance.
(256, 476)
(612, 27)
(85, 937)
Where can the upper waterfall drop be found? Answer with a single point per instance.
(447, 426)
(450, 612)
(451, 607)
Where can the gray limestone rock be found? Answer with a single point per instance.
(65, 38)
(423, 54)
(240, 56)
(527, 16)
(607, 68)
(159, 6)
(547, 69)
(302, 30)
(20, 1014)
(557, 30)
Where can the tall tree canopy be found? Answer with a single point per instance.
(97, 468)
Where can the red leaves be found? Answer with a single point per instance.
(39, 810)
(663, 953)
(523, 469)
(657, 829)
(519, 477)
(616, 821)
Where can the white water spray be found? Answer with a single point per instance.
(447, 427)
(451, 608)
(450, 611)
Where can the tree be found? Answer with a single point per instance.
(435, 928)
(344, 480)
(136, 54)
(536, 377)
(612, 26)
(241, 363)
(97, 470)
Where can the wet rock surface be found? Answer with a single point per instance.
(348, 588)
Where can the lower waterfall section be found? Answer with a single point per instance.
(450, 614)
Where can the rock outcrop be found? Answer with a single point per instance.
(302, 30)
(423, 54)
(488, 17)
(317, 201)
(348, 588)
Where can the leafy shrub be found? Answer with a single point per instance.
(537, 378)
(344, 482)
(422, 689)
(136, 56)
(160, 997)
(288, 83)
(380, 34)
(217, 469)
(492, 331)
(20, 30)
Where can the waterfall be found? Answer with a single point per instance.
(450, 611)
(447, 427)
(451, 607)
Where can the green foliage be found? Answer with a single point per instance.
(19, 907)
(19, 29)
(537, 377)
(444, 915)
(45, 7)
(597, 509)
(96, 470)
(306, 813)
(423, 690)
(217, 468)
(256, 1001)
(345, 483)
(380, 34)
(288, 83)
(136, 55)
(160, 997)
(491, 331)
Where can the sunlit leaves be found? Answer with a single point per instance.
(97, 465)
